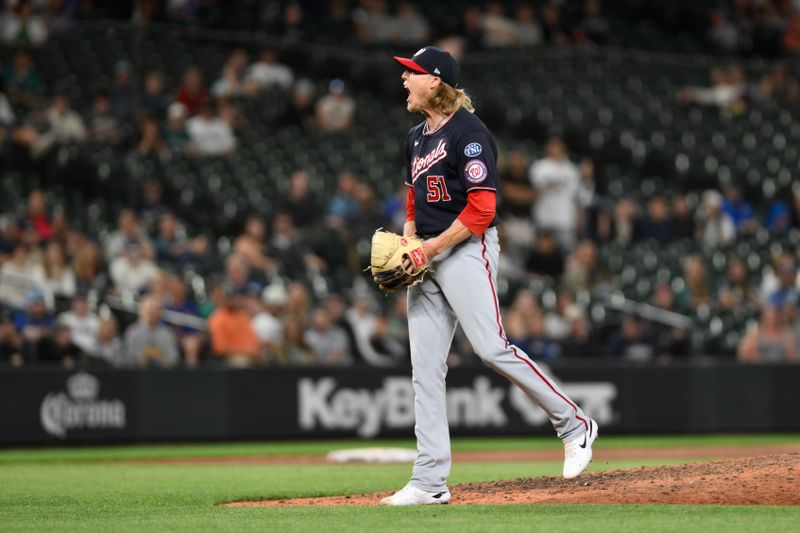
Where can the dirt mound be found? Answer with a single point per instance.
(763, 480)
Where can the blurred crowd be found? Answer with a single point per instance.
(130, 297)
(151, 116)
(286, 288)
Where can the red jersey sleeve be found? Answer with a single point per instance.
(480, 211)
(410, 204)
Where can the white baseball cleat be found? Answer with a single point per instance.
(411, 495)
(578, 452)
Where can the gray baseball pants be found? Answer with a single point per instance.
(463, 289)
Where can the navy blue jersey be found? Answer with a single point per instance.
(445, 165)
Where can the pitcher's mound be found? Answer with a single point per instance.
(766, 480)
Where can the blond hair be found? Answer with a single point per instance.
(447, 100)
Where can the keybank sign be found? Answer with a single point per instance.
(323, 404)
(79, 408)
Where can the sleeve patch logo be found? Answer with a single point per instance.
(473, 149)
(475, 171)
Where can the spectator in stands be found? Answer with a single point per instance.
(268, 321)
(59, 348)
(104, 127)
(546, 259)
(579, 342)
(16, 277)
(683, 220)
(155, 100)
(87, 264)
(517, 197)
(336, 110)
(9, 236)
(735, 289)
(294, 350)
(722, 33)
(739, 210)
(37, 215)
(344, 204)
(232, 82)
(670, 341)
(592, 203)
(128, 230)
(556, 324)
(152, 206)
(132, 271)
(7, 117)
(148, 342)
(209, 134)
(301, 111)
(781, 285)
(23, 83)
(623, 224)
(61, 126)
(267, 74)
(593, 27)
(300, 203)
(632, 341)
(715, 226)
(54, 274)
(174, 248)
(293, 26)
(498, 29)
(545, 348)
(10, 342)
(771, 341)
(83, 325)
(515, 325)
(34, 323)
(371, 22)
(396, 323)
(288, 248)
(696, 291)
(150, 140)
(528, 30)
(777, 86)
(192, 93)
(556, 179)
(20, 26)
(369, 215)
(657, 223)
(791, 36)
(190, 338)
(583, 270)
(183, 12)
(779, 218)
(238, 275)
(298, 302)
(472, 27)
(328, 341)
(556, 31)
(175, 134)
(233, 339)
(364, 323)
(253, 245)
(109, 344)
(408, 26)
(791, 317)
(123, 94)
(726, 91)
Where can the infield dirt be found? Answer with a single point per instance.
(761, 480)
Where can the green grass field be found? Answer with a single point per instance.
(98, 489)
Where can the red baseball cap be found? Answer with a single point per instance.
(433, 61)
